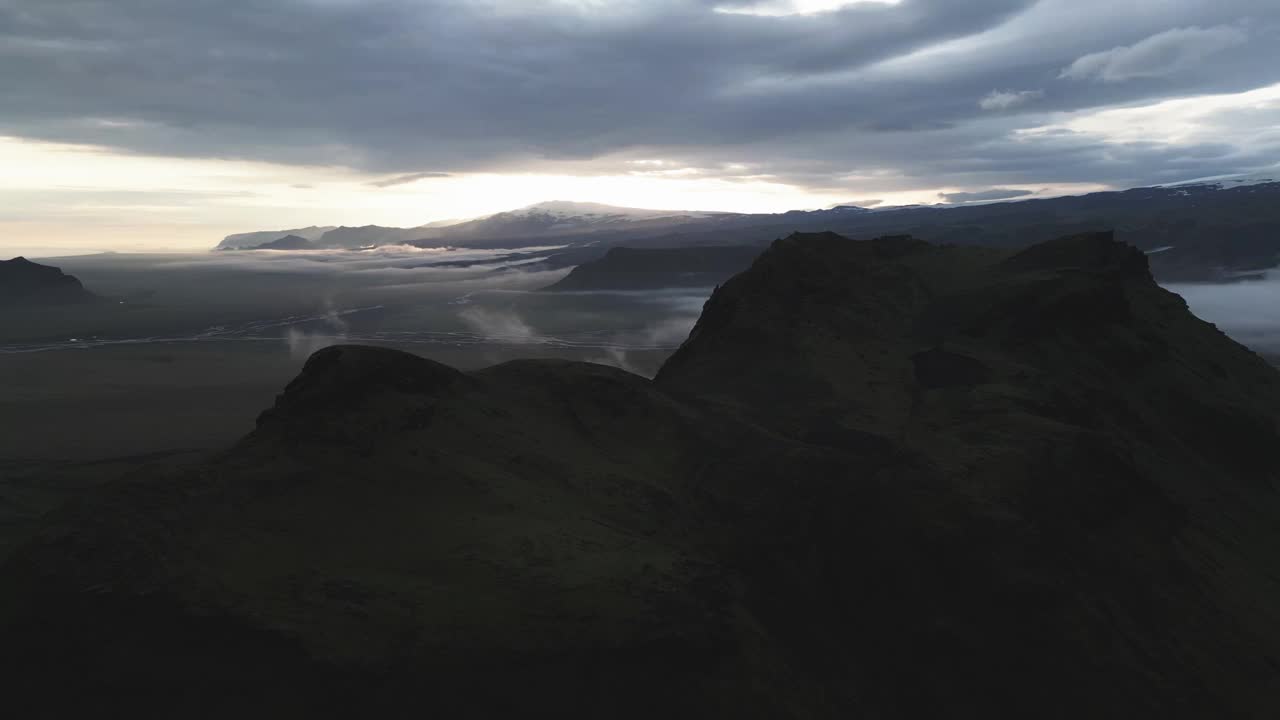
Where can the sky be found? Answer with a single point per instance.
(164, 124)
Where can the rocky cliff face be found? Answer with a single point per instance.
(880, 479)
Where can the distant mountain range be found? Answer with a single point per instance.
(549, 219)
(1195, 231)
(253, 240)
(27, 284)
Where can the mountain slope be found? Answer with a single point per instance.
(880, 479)
(350, 238)
(27, 284)
(288, 242)
(243, 241)
(624, 268)
(566, 221)
(1207, 231)
(1195, 231)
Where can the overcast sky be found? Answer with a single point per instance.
(129, 124)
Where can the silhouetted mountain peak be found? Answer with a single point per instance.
(881, 478)
(24, 283)
(336, 377)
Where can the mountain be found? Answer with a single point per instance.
(27, 284)
(624, 268)
(1195, 232)
(288, 242)
(1203, 231)
(351, 238)
(557, 220)
(566, 219)
(245, 241)
(880, 479)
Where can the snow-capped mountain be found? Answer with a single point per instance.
(557, 218)
(1227, 182)
(561, 217)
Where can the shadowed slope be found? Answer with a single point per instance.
(881, 479)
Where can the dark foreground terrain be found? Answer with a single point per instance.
(881, 479)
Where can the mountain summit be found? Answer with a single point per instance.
(880, 479)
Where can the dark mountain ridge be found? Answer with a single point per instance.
(880, 479)
(27, 284)
(244, 241)
(1199, 232)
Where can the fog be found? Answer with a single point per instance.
(1247, 310)
(482, 299)
(186, 350)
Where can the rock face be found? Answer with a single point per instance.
(650, 268)
(27, 284)
(880, 479)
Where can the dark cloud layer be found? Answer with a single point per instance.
(984, 195)
(923, 93)
(406, 179)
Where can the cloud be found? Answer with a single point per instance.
(406, 179)
(504, 325)
(633, 350)
(1008, 99)
(303, 343)
(1160, 55)
(869, 99)
(791, 7)
(1247, 311)
(984, 195)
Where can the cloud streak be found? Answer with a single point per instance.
(985, 195)
(1167, 53)
(408, 179)
(1009, 99)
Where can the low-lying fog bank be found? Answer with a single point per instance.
(479, 299)
(194, 346)
(1248, 310)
